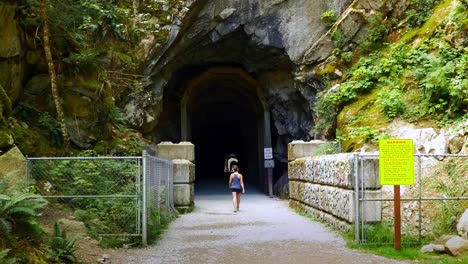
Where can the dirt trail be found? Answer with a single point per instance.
(265, 230)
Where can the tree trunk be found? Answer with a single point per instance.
(53, 76)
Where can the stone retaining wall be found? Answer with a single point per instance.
(324, 186)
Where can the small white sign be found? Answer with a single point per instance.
(268, 153)
(269, 163)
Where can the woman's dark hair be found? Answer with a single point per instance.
(235, 168)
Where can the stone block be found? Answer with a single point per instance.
(172, 151)
(335, 201)
(335, 170)
(301, 169)
(183, 194)
(371, 210)
(184, 171)
(300, 149)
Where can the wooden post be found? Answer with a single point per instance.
(270, 181)
(397, 212)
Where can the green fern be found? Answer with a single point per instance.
(18, 212)
(61, 249)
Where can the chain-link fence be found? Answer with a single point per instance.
(159, 205)
(113, 196)
(429, 208)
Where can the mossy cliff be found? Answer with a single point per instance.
(414, 72)
(98, 48)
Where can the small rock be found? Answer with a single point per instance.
(106, 256)
(456, 245)
(462, 226)
(427, 248)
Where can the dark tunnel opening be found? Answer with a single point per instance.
(224, 125)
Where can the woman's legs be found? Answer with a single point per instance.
(234, 201)
(238, 199)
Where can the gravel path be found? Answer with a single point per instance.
(265, 230)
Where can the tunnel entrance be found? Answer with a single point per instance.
(223, 126)
(222, 114)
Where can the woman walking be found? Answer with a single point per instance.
(236, 184)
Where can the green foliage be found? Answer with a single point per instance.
(51, 128)
(93, 177)
(454, 184)
(392, 103)
(18, 215)
(381, 233)
(363, 132)
(25, 112)
(378, 30)
(325, 112)
(419, 11)
(328, 148)
(5, 259)
(61, 249)
(339, 38)
(118, 119)
(329, 18)
(428, 80)
(86, 61)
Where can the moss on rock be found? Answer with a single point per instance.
(361, 121)
(6, 138)
(31, 143)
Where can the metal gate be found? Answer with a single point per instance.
(428, 208)
(113, 196)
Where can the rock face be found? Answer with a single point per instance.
(267, 38)
(12, 66)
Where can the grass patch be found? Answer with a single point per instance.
(382, 233)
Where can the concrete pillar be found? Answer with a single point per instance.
(301, 149)
(182, 156)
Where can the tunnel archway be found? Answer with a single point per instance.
(221, 113)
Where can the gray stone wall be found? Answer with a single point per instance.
(324, 186)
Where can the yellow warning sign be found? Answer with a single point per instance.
(396, 162)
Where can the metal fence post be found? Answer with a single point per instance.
(356, 198)
(144, 235)
(27, 167)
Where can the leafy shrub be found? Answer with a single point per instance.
(5, 259)
(118, 118)
(364, 132)
(339, 38)
(392, 103)
(376, 33)
(329, 17)
(51, 127)
(419, 11)
(61, 249)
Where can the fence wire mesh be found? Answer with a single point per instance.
(429, 208)
(113, 196)
(159, 190)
